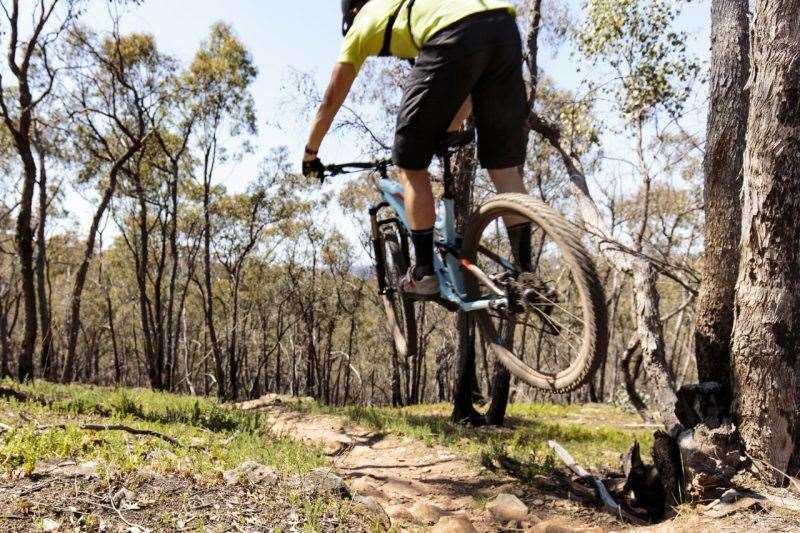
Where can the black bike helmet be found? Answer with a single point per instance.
(347, 13)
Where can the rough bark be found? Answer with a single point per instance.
(501, 381)
(651, 343)
(9, 311)
(725, 141)
(766, 338)
(501, 387)
(24, 241)
(631, 362)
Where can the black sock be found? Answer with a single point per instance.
(423, 252)
(520, 237)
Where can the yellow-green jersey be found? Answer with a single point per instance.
(366, 37)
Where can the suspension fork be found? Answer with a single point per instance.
(377, 245)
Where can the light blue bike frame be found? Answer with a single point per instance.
(451, 279)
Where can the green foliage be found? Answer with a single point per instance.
(635, 37)
(213, 437)
(221, 75)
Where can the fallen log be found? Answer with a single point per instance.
(602, 492)
(6, 392)
(115, 427)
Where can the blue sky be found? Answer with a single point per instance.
(300, 34)
(304, 35)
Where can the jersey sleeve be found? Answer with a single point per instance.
(353, 50)
(363, 40)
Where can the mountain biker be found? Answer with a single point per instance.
(468, 54)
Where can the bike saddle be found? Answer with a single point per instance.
(456, 139)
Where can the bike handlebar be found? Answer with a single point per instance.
(348, 168)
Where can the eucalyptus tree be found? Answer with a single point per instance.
(28, 79)
(727, 126)
(118, 89)
(220, 77)
(766, 360)
(247, 223)
(174, 135)
(144, 230)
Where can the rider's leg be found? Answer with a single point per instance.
(518, 228)
(421, 215)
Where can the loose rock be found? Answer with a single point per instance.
(506, 507)
(372, 504)
(251, 472)
(327, 481)
(400, 512)
(121, 495)
(453, 524)
(49, 524)
(366, 486)
(425, 514)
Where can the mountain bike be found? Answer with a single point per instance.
(547, 326)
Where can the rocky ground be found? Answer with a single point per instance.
(91, 459)
(419, 486)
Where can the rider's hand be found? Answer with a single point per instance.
(313, 168)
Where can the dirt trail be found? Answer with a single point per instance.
(416, 484)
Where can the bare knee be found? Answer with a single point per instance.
(507, 180)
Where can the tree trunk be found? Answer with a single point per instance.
(209, 290)
(7, 325)
(45, 350)
(727, 125)
(80, 276)
(172, 333)
(466, 382)
(651, 344)
(24, 241)
(766, 338)
(501, 380)
(142, 257)
(443, 372)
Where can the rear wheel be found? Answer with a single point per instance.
(555, 333)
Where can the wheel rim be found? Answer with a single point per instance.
(553, 333)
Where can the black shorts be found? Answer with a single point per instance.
(481, 56)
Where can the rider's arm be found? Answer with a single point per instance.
(341, 80)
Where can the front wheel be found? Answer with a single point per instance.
(399, 308)
(554, 333)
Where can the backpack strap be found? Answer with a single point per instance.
(387, 35)
(410, 31)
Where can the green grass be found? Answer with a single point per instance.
(594, 434)
(213, 437)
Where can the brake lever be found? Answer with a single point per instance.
(331, 171)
